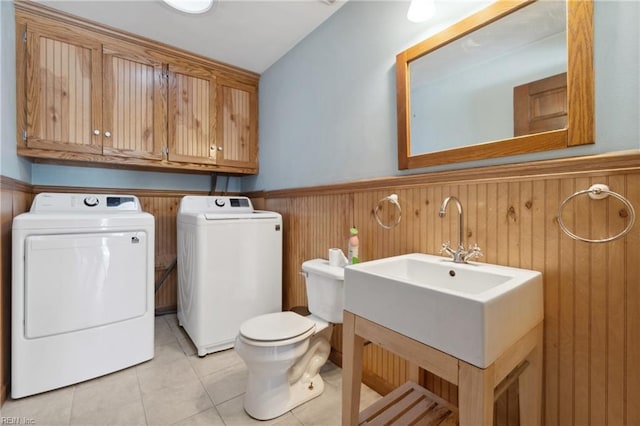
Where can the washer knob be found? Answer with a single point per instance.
(91, 201)
(219, 202)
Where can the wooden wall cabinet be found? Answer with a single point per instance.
(192, 112)
(134, 112)
(63, 89)
(212, 120)
(90, 94)
(238, 130)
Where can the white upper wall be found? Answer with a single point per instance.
(96, 177)
(10, 164)
(328, 108)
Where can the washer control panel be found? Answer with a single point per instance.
(53, 202)
(228, 203)
(91, 201)
(215, 204)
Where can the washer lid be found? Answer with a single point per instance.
(276, 326)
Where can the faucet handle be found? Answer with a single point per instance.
(446, 248)
(474, 253)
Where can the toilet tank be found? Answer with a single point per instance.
(325, 289)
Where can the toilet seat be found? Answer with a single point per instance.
(276, 329)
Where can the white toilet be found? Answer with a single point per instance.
(284, 351)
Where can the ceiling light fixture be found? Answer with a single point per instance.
(421, 10)
(190, 6)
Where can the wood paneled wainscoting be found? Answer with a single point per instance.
(591, 291)
(15, 198)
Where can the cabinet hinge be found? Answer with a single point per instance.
(165, 151)
(24, 135)
(24, 36)
(165, 73)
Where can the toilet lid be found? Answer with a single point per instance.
(276, 326)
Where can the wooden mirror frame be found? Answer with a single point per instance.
(580, 90)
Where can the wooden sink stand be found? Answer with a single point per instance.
(476, 386)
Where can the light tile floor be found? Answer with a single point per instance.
(175, 388)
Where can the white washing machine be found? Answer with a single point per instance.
(83, 291)
(229, 268)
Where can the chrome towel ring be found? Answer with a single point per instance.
(598, 192)
(392, 199)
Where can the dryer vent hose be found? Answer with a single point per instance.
(166, 273)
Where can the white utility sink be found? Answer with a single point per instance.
(473, 311)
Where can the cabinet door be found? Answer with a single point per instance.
(192, 115)
(237, 124)
(134, 104)
(63, 89)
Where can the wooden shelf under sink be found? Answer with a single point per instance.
(408, 405)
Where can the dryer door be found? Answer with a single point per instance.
(78, 281)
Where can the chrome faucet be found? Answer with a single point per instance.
(460, 255)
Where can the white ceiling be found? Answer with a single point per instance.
(250, 34)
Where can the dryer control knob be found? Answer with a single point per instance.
(219, 202)
(91, 201)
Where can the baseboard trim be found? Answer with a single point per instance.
(3, 394)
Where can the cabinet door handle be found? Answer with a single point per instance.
(107, 134)
(96, 132)
(219, 148)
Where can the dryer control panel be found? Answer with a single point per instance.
(53, 202)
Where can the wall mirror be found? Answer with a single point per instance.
(514, 78)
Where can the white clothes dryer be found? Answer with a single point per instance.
(83, 291)
(229, 267)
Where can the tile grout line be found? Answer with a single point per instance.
(177, 332)
(73, 398)
(144, 407)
